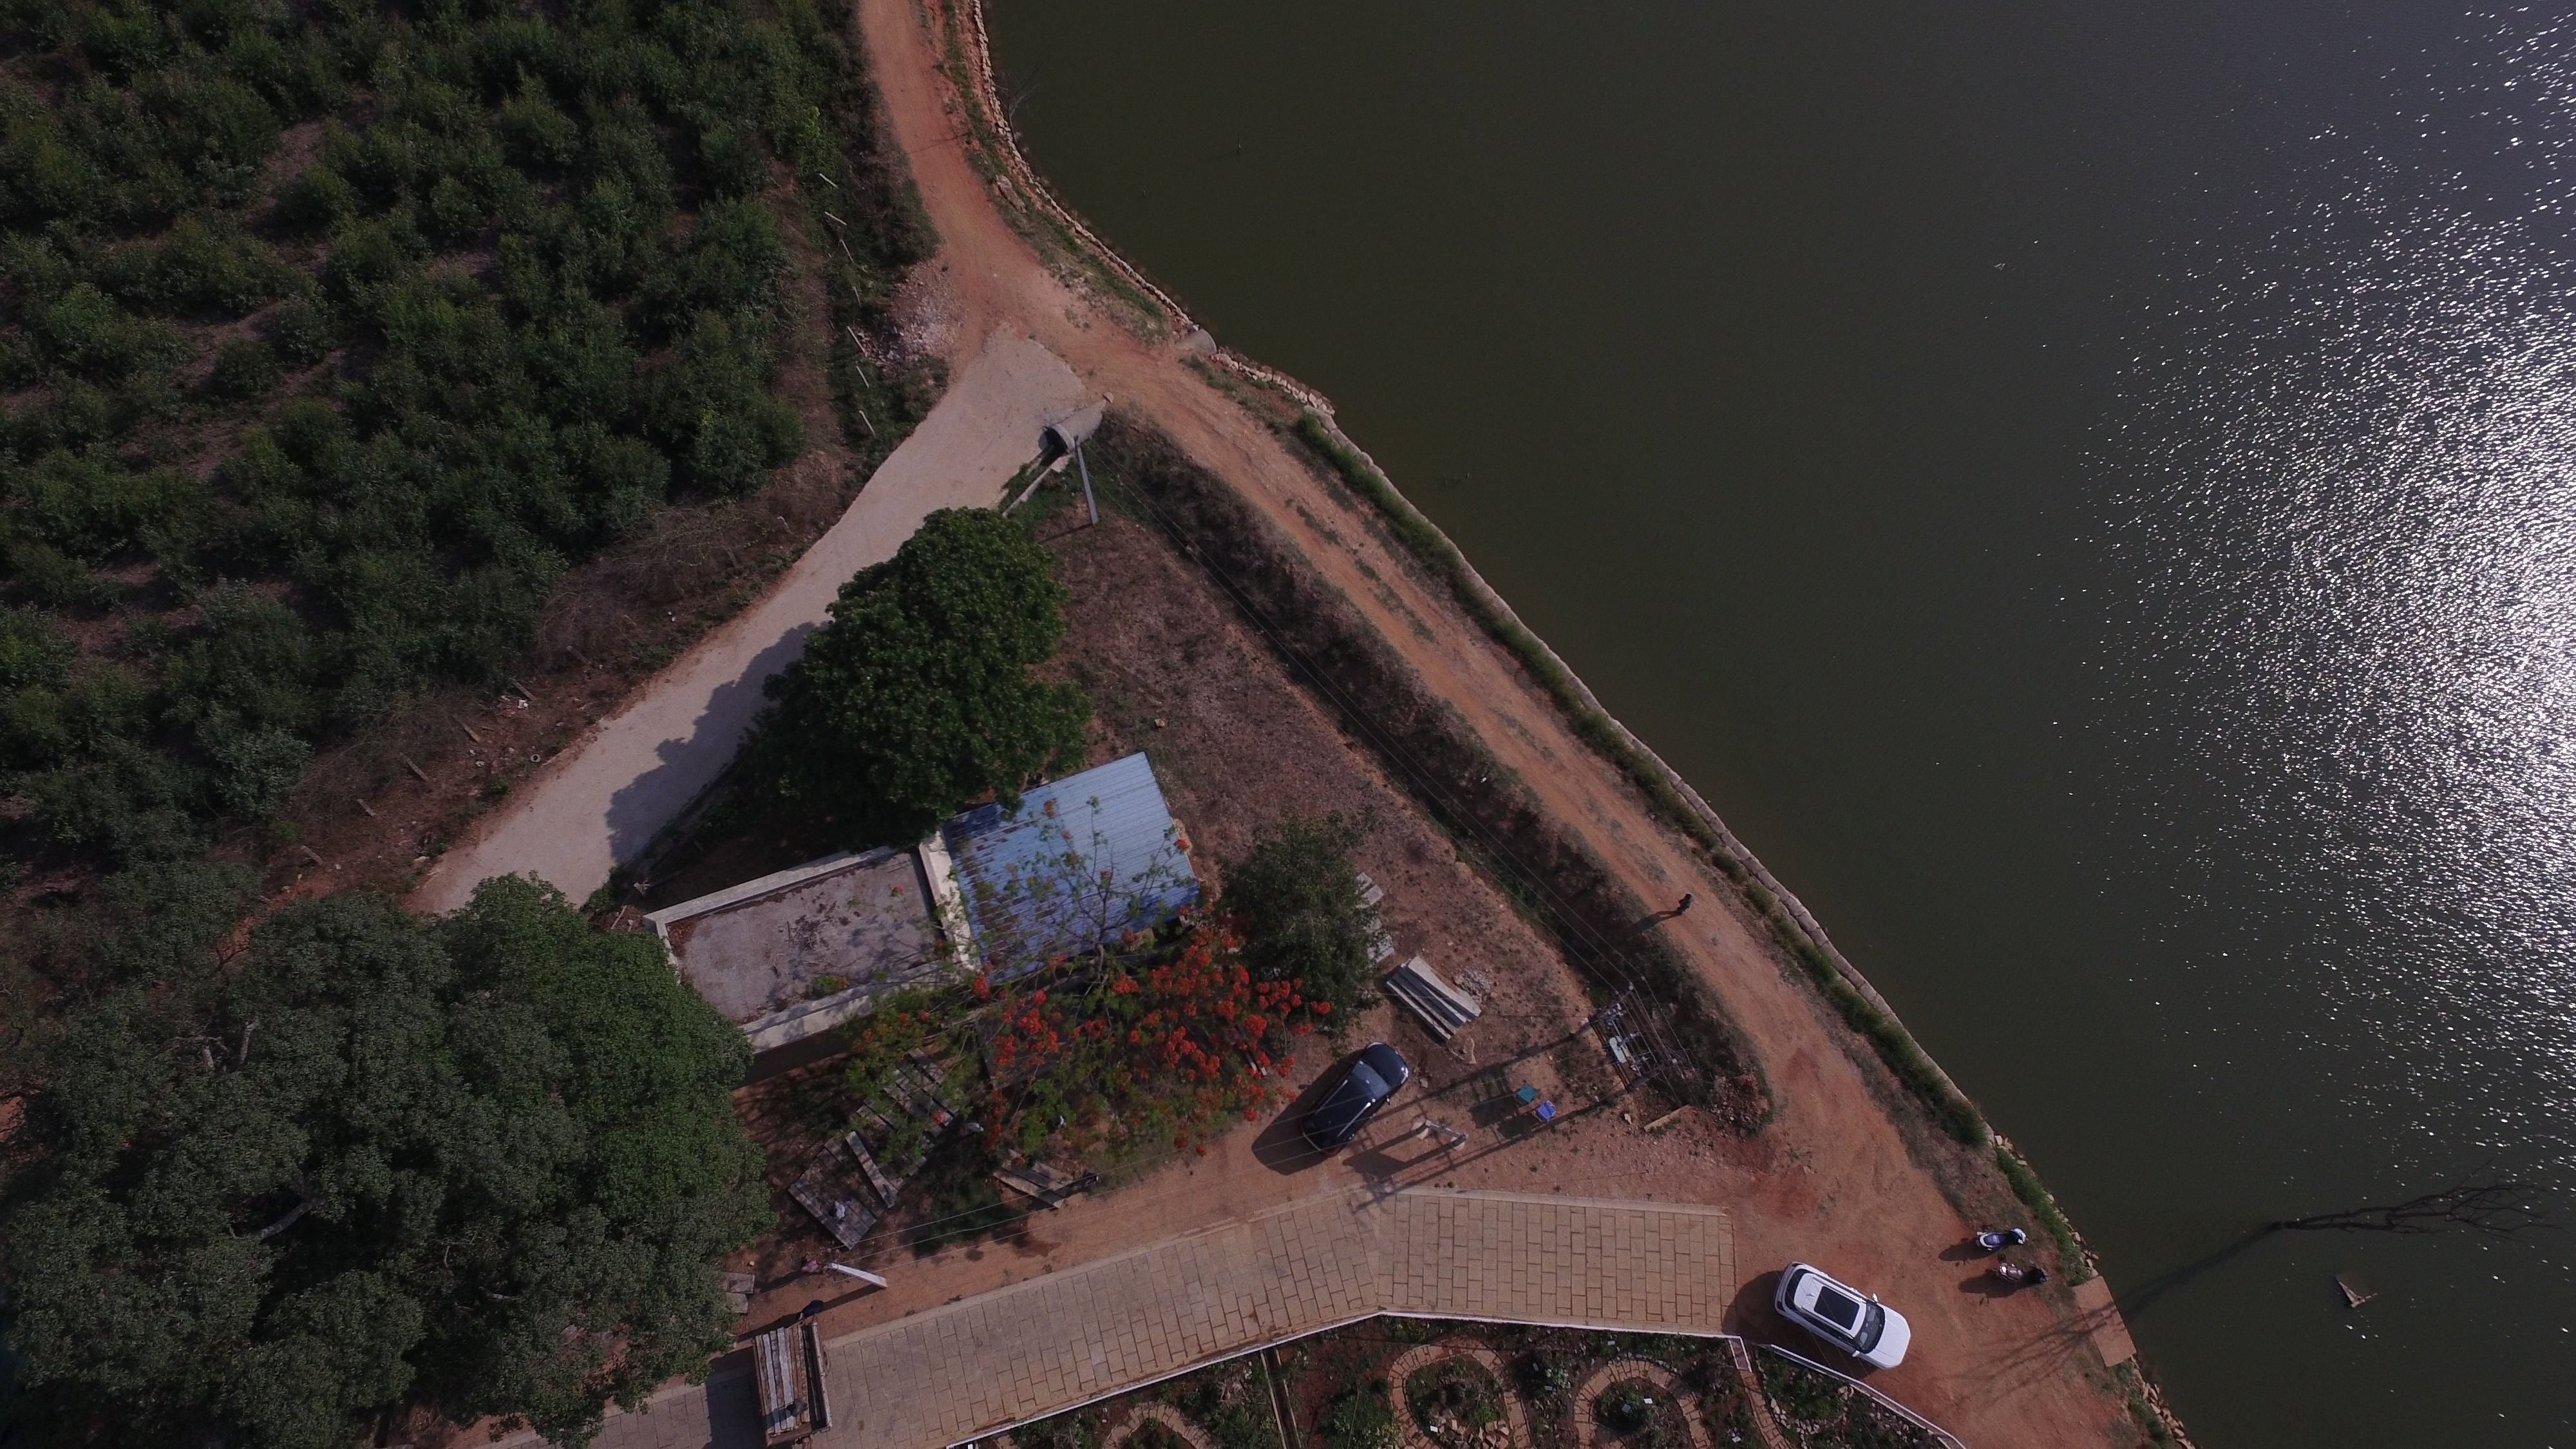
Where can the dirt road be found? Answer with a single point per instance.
(605, 797)
(1832, 1179)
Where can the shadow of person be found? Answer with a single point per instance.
(1965, 1251)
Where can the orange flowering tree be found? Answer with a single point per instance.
(1169, 1039)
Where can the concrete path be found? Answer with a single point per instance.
(603, 799)
(1048, 1344)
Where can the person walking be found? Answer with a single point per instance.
(1687, 898)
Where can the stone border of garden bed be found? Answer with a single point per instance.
(1587, 1431)
(1161, 1413)
(1423, 1356)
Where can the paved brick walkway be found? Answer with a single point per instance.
(1047, 1344)
(1053, 1342)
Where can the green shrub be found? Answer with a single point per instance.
(39, 571)
(90, 507)
(1296, 893)
(206, 267)
(84, 332)
(255, 770)
(1361, 1419)
(245, 368)
(301, 332)
(735, 161)
(34, 651)
(318, 199)
(536, 132)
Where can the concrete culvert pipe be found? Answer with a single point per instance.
(1065, 433)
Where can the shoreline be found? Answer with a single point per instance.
(1866, 1141)
(1799, 931)
(1790, 916)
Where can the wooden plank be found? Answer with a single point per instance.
(781, 1368)
(885, 1187)
(1049, 1185)
(818, 1388)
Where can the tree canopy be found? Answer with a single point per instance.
(917, 697)
(1296, 895)
(488, 1161)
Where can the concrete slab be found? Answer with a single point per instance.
(783, 955)
(2100, 1315)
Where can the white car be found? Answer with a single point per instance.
(1856, 1323)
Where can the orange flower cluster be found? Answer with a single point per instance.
(1190, 1037)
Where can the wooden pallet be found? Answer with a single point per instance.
(839, 1193)
(795, 1401)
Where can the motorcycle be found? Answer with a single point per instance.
(2018, 1275)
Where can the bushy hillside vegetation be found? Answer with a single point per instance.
(331, 335)
(334, 333)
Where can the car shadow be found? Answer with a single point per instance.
(1750, 1315)
(1282, 1146)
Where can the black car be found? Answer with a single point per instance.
(1357, 1091)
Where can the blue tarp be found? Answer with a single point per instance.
(1083, 860)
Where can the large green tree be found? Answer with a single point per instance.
(917, 697)
(487, 1161)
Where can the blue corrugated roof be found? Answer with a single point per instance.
(1083, 860)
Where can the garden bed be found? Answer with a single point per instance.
(1638, 1413)
(1400, 1383)
(1819, 1411)
(1339, 1382)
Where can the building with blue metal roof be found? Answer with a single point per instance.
(1083, 860)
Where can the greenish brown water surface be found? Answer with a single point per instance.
(2088, 491)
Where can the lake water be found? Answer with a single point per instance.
(2089, 492)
